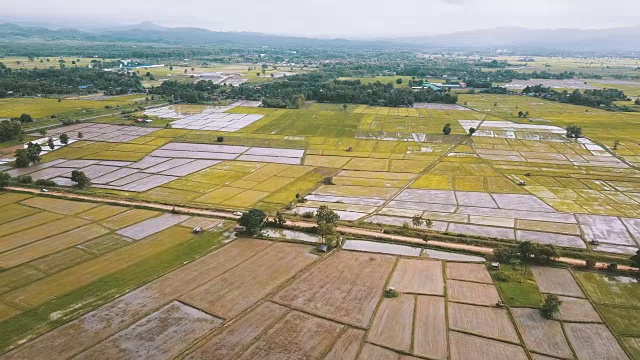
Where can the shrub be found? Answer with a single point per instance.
(550, 306)
(590, 263)
(4, 179)
(220, 139)
(612, 266)
(308, 214)
(45, 182)
(24, 179)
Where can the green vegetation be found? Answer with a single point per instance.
(72, 305)
(517, 286)
(550, 306)
(594, 98)
(252, 221)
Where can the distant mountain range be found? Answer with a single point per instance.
(624, 39)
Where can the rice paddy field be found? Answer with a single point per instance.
(43, 107)
(300, 304)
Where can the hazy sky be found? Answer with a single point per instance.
(337, 17)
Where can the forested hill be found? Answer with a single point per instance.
(188, 36)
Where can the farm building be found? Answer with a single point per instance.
(427, 85)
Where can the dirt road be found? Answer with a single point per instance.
(296, 223)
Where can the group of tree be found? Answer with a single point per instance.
(252, 221)
(527, 252)
(28, 156)
(32, 82)
(600, 98)
(10, 130)
(326, 224)
(573, 131)
(81, 180)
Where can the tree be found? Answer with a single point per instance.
(25, 118)
(252, 221)
(42, 132)
(574, 131)
(22, 160)
(526, 250)
(326, 216)
(33, 152)
(505, 254)
(546, 253)
(399, 81)
(80, 136)
(472, 131)
(324, 230)
(80, 178)
(428, 223)
(551, 306)
(344, 107)
(446, 129)
(635, 259)
(417, 220)
(170, 68)
(51, 144)
(4, 179)
(64, 138)
(279, 219)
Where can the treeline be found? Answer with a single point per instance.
(65, 81)
(594, 98)
(287, 92)
(201, 92)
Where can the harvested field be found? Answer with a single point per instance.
(128, 218)
(418, 277)
(9, 198)
(28, 222)
(151, 226)
(378, 353)
(430, 332)
(161, 335)
(346, 287)
(472, 293)
(347, 346)
(382, 248)
(241, 287)
(556, 281)
(60, 283)
(18, 276)
(61, 260)
(468, 272)
(469, 347)
(393, 324)
(39, 232)
(594, 341)
(233, 340)
(15, 211)
(296, 336)
(541, 335)
(7, 312)
(577, 310)
(482, 321)
(50, 245)
(122, 312)
(104, 244)
(102, 212)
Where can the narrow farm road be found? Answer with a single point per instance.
(292, 223)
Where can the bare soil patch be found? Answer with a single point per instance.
(347, 346)
(430, 333)
(472, 293)
(297, 336)
(594, 341)
(241, 287)
(468, 272)
(418, 277)
(484, 321)
(161, 335)
(541, 335)
(577, 310)
(346, 287)
(393, 323)
(233, 340)
(556, 281)
(469, 347)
